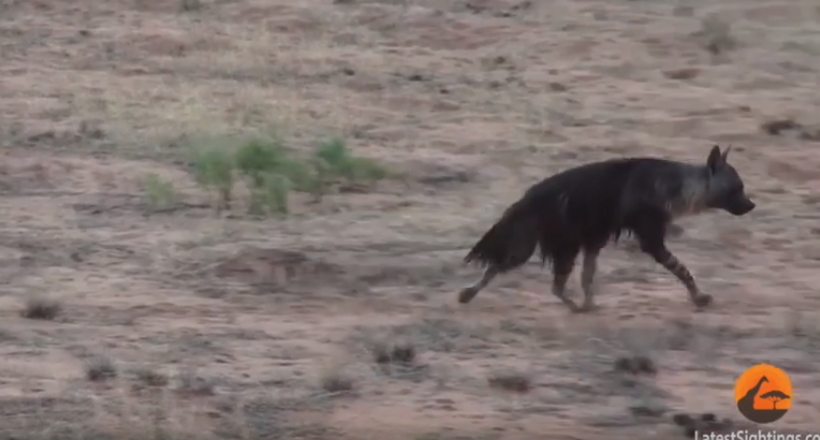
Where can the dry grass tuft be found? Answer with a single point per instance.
(100, 368)
(42, 308)
(636, 365)
(776, 126)
(398, 353)
(682, 73)
(515, 381)
(189, 383)
(335, 380)
(159, 194)
(149, 377)
(190, 5)
(717, 35)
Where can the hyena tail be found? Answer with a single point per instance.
(510, 242)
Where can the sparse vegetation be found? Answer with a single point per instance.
(256, 158)
(189, 383)
(214, 170)
(271, 172)
(272, 195)
(149, 377)
(776, 126)
(635, 365)
(42, 308)
(717, 35)
(516, 381)
(103, 102)
(159, 193)
(99, 368)
(402, 353)
(394, 356)
(335, 163)
(335, 380)
(434, 334)
(190, 5)
(268, 171)
(682, 73)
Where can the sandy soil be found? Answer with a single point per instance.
(231, 327)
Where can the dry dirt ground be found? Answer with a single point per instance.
(188, 324)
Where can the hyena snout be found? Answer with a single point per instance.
(740, 205)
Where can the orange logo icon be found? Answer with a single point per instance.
(763, 393)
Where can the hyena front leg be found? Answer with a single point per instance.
(669, 261)
(468, 293)
(651, 232)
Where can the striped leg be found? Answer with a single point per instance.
(669, 261)
(651, 236)
(468, 293)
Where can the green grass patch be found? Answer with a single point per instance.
(271, 172)
(214, 170)
(158, 193)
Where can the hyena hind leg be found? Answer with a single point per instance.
(588, 270)
(562, 266)
(468, 293)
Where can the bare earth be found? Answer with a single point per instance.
(267, 328)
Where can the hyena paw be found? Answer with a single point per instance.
(467, 294)
(702, 300)
(587, 307)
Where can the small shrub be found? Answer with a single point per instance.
(300, 175)
(271, 173)
(682, 73)
(334, 161)
(38, 307)
(717, 34)
(362, 169)
(99, 368)
(777, 126)
(380, 352)
(158, 193)
(256, 159)
(214, 170)
(190, 5)
(276, 188)
(335, 381)
(189, 383)
(333, 153)
(635, 365)
(403, 353)
(510, 381)
(150, 378)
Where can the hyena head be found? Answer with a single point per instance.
(725, 190)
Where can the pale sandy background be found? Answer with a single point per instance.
(471, 101)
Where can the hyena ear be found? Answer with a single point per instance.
(716, 159)
(725, 154)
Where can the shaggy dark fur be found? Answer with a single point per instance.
(583, 208)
